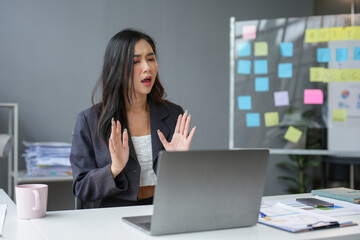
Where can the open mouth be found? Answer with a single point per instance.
(147, 81)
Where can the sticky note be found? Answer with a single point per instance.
(323, 54)
(340, 115)
(244, 67)
(354, 75)
(349, 33)
(261, 49)
(313, 96)
(260, 66)
(281, 98)
(262, 84)
(336, 34)
(341, 54)
(244, 49)
(329, 75)
(356, 53)
(311, 35)
(253, 120)
(293, 134)
(249, 32)
(244, 102)
(342, 75)
(271, 119)
(286, 49)
(316, 74)
(285, 70)
(324, 34)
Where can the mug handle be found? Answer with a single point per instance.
(37, 200)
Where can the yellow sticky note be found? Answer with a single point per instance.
(316, 74)
(293, 134)
(271, 119)
(311, 35)
(324, 34)
(357, 32)
(342, 75)
(260, 49)
(354, 75)
(349, 33)
(340, 115)
(330, 75)
(336, 34)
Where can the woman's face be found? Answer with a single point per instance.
(145, 68)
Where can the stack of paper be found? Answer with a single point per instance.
(47, 159)
(298, 220)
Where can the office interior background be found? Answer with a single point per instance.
(51, 54)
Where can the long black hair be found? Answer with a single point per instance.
(117, 77)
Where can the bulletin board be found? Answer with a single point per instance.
(295, 82)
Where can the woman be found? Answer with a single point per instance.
(116, 142)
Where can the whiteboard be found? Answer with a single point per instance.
(344, 136)
(318, 117)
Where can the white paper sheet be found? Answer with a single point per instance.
(341, 208)
(3, 208)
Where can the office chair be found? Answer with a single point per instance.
(79, 204)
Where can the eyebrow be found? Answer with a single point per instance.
(149, 54)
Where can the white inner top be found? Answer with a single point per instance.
(143, 150)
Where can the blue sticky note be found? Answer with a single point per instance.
(285, 70)
(253, 120)
(323, 54)
(244, 49)
(341, 54)
(262, 84)
(356, 53)
(244, 102)
(261, 66)
(286, 49)
(244, 67)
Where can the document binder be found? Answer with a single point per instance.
(341, 193)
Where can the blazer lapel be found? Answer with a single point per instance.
(132, 154)
(157, 114)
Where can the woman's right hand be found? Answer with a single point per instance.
(119, 149)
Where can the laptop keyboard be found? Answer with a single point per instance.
(146, 224)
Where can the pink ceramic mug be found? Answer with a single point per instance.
(31, 200)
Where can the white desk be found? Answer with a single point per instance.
(15, 228)
(107, 224)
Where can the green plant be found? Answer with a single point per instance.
(299, 166)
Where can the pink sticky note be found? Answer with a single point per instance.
(249, 32)
(281, 98)
(313, 96)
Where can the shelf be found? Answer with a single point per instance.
(314, 152)
(23, 178)
(13, 130)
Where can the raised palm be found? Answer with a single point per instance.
(181, 139)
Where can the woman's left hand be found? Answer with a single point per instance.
(181, 139)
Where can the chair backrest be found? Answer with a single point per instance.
(79, 204)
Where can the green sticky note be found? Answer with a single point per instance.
(271, 119)
(260, 49)
(339, 115)
(293, 134)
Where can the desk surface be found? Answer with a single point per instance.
(107, 224)
(15, 228)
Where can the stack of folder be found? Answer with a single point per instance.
(341, 193)
(47, 159)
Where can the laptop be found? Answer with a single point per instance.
(206, 190)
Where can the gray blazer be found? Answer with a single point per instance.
(90, 158)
